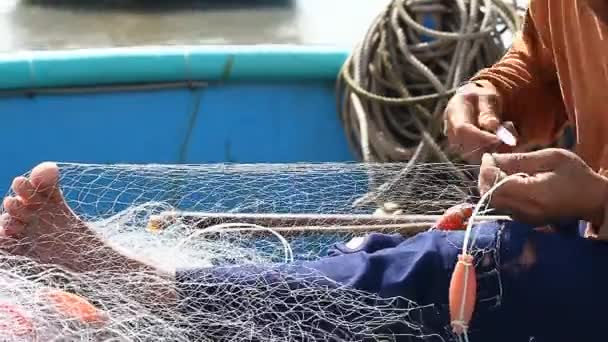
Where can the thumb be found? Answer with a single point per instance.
(489, 173)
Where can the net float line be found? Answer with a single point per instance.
(305, 223)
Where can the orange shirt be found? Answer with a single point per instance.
(557, 72)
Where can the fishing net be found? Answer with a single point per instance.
(262, 218)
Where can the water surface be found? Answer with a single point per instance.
(55, 24)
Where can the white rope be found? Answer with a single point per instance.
(486, 197)
(287, 250)
(465, 252)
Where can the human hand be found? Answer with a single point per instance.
(558, 185)
(472, 117)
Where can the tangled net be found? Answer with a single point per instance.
(395, 85)
(262, 217)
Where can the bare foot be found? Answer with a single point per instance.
(38, 223)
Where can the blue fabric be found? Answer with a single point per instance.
(549, 287)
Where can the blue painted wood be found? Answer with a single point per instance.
(28, 70)
(237, 122)
(271, 104)
(269, 122)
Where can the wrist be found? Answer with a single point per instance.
(482, 83)
(469, 85)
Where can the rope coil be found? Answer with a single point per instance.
(403, 78)
(394, 87)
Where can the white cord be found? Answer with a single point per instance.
(288, 252)
(485, 198)
(481, 202)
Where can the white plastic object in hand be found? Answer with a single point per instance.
(505, 136)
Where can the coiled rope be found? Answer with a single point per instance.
(393, 88)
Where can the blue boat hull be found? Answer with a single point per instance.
(171, 105)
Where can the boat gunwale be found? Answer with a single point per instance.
(29, 70)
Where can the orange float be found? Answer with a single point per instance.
(76, 307)
(14, 322)
(462, 294)
(456, 217)
(463, 284)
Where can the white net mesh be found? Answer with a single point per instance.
(264, 218)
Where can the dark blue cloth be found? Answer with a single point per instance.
(532, 286)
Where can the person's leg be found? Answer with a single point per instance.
(545, 286)
(403, 286)
(38, 223)
(552, 286)
(559, 285)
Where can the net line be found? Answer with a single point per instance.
(258, 217)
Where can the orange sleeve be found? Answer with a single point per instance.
(527, 82)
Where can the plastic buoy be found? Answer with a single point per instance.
(14, 322)
(456, 217)
(463, 294)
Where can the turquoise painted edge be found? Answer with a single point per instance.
(91, 67)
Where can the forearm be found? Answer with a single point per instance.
(526, 81)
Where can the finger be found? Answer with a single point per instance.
(488, 160)
(461, 126)
(516, 196)
(486, 103)
(472, 142)
(489, 112)
(489, 174)
(460, 111)
(530, 162)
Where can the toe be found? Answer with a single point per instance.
(44, 180)
(23, 188)
(10, 227)
(16, 209)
